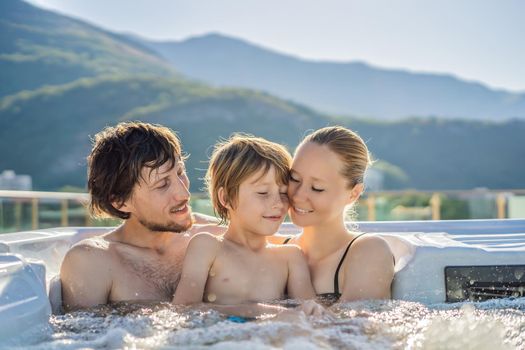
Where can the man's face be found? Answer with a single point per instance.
(159, 201)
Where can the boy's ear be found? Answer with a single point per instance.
(221, 196)
(356, 192)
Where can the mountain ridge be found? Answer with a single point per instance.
(344, 88)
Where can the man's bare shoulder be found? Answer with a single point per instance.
(95, 250)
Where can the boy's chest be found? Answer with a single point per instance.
(235, 278)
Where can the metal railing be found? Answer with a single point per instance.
(435, 202)
(369, 201)
(36, 198)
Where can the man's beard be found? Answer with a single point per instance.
(167, 227)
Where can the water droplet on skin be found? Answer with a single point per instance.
(212, 297)
(212, 273)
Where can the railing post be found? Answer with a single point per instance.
(501, 203)
(371, 207)
(34, 213)
(18, 215)
(63, 213)
(435, 204)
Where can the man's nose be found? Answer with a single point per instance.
(181, 191)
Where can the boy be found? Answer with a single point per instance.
(247, 182)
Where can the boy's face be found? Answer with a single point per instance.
(261, 204)
(160, 200)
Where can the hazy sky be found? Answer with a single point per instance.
(482, 40)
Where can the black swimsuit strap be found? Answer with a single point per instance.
(287, 240)
(336, 277)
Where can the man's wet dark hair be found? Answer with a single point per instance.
(118, 156)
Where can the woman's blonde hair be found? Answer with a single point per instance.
(238, 158)
(348, 146)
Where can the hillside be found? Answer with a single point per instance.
(39, 47)
(47, 132)
(351, 88)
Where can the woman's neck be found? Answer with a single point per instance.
(322, 240)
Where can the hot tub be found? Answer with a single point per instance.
(436, 262)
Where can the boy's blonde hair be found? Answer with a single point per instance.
(238, 158)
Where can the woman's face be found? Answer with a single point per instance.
(317, 191)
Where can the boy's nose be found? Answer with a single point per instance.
(280, 202)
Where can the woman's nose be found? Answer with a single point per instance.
(296, 193)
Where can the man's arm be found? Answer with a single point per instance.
(368, 270)
(299, 281)
(85, 275)
(200, 255)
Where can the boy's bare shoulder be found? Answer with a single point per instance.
(213, 229)
(205, 240)
(289, 251)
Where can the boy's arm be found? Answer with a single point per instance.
(200, 255)
(299, 283)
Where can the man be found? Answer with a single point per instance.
(136, 173)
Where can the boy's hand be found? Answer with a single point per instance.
(312, 308)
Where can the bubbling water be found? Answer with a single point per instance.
(496, 324)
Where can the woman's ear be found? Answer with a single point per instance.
(356, 192)
(221, 196)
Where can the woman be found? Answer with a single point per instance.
(326, 179)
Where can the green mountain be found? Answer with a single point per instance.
(51, 126)
(64, 85)
(46, 132)
(39, 47)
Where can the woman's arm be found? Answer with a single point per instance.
(368, 270)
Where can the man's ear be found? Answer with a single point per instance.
(223, 199)
(125, 206)
(356, 192)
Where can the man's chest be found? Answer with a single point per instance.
(146, 276)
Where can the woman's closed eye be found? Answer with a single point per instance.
(293, 179)
(317, 189)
